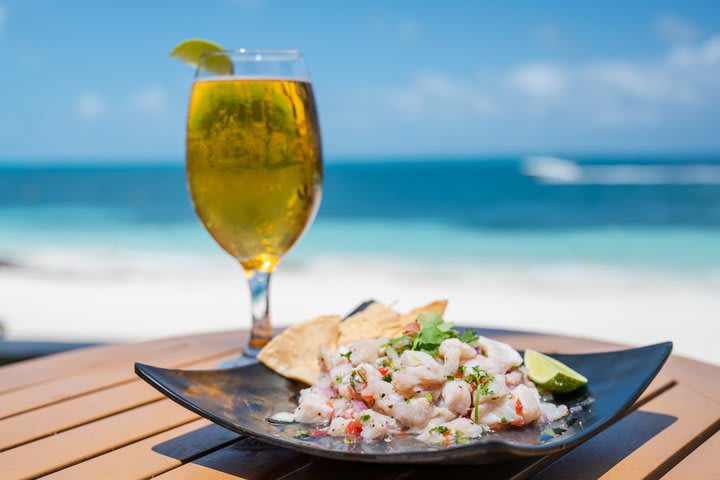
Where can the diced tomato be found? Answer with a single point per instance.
(458, 375)
(517, 423)
(518, 406)
(384, 370)
(411, 327)
(315, 433)
(369, 401)
(353, 428)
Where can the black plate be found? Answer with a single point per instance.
(242, 398)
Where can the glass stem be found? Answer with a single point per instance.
(261, 331)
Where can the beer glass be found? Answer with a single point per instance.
(254, 162)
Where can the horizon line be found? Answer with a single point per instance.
(179, 160)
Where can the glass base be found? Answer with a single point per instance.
(248, 357)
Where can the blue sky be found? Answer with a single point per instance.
(89, 79)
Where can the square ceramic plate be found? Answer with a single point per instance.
(242, 398)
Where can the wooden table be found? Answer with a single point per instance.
(85, 415)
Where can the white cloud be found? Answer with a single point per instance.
(90, 105)
(436, 91)
(675, 29)
(3, 15)
(608, 93)
(148, 100)
(538, 80)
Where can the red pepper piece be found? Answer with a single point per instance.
(353, 428)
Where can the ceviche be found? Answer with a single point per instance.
(430, 380)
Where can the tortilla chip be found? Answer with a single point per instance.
(436, 306)
(376, 321)
(295, 352)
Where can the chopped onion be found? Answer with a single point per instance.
(394, 357)
(326, 392)
(359, 406)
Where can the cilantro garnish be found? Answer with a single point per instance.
(480, 379)
(396, 340)
(365, 417)
(503, 420)
(346, 355)
(338, 378)
(387, 377)
(433, 331)
(468, 336)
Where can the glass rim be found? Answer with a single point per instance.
(257, 54)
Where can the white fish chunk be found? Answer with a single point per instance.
(502, 353)
(420, 372)
(414, 413)
(313, 408)
(453, 351)
(457, 395)
(375, 425)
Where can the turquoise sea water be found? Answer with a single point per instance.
(645, 212)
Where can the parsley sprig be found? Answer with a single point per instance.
(432, 332)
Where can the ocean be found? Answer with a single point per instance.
(646, 212)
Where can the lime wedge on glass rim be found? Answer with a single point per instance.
(190, 52)
(551, 374)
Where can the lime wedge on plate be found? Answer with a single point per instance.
(551, 374)
(190, 52)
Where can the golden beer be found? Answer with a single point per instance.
(254, 164)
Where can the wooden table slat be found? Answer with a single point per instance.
(555, 344)
(638, 444)
(36, 396)
(702, 464)
(38, 370)
(153, 455)
(702, 376)
(76, 411)
(694, 415)
(52, 453)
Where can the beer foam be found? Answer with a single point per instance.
(234, 78)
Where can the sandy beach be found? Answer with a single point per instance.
(112, 296)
